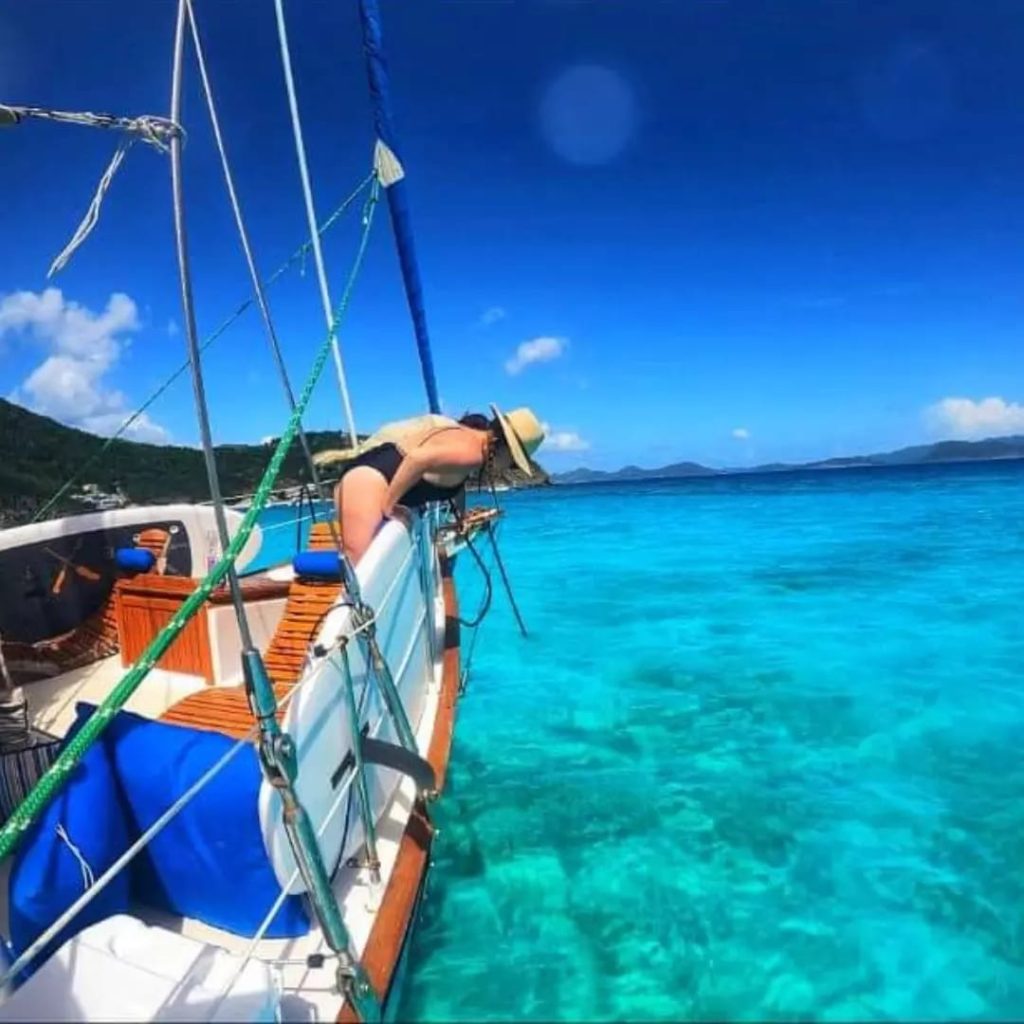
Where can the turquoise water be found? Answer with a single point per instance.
(284, 530)
(759, 759)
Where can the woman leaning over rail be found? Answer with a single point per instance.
(411, 462)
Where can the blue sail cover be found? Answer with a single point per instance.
(398, 202)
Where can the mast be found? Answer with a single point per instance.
(393, 179)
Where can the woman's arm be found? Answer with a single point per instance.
(448, 451)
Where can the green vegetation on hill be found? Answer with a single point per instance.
(40, 455)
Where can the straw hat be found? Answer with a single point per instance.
(523, 434)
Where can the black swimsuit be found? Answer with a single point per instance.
(386, 458)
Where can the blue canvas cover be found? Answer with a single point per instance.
(47, 875)
(209, 862)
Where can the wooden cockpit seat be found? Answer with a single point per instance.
(225, 709)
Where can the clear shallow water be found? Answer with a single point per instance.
(760, 758)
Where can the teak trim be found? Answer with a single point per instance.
(394, 919)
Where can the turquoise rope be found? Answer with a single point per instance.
(29, 810)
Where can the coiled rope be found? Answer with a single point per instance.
(154, 131)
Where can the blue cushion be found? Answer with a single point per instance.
(47, 877)
(134, 559)
(209, 863)
(321, 565)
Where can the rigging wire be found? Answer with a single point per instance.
(307, 195)
(232, 318)
(27, 812)
(250, 260)
(191, 334)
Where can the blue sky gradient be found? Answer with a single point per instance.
(748, 231)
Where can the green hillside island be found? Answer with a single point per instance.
(40, 455)
(990, 449)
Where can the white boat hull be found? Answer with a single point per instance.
(317, 718)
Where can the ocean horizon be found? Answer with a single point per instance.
(758, 758)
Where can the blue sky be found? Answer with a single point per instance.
(730, 232)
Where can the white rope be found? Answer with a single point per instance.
(307, 195)
(88, 878)
(289, 523)
(291, 502)
(155, 131)
(92, 214)
(161, 823)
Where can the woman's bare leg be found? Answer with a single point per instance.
(360, 500)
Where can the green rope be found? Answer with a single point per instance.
(60, 771)
(298, 255)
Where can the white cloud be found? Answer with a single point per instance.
(82, 347)
(537, 350)
(491, 316)
(966, 418)
(563, 440)
(142, 428)
(741, 434)
(173, 330)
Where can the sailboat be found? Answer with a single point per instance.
(230, 811)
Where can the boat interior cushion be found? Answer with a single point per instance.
(134, 559)
(209, 862)
(317, 565)
(80, 834)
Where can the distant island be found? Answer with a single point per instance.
(990, 449)
(40, 455)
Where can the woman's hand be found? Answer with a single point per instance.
(401, 513)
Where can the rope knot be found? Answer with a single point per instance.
(157, 131)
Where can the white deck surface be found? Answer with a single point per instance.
(51, 702)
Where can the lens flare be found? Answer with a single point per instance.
(588, 114)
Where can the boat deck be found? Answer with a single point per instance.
(377, 916)
(52, 700)
(309, 993)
